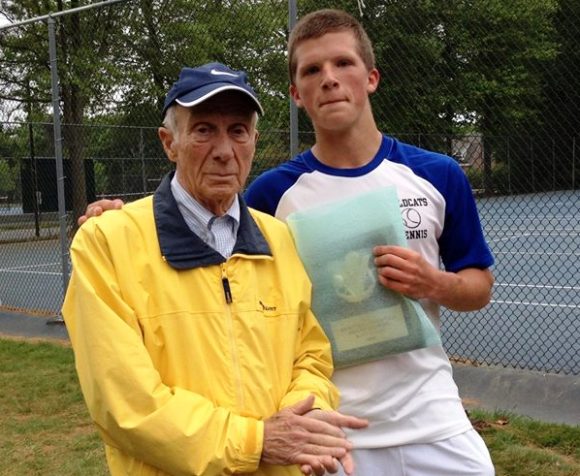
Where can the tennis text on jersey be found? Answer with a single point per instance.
(412, 218)
(415, 234)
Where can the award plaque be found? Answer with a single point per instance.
(363, 320)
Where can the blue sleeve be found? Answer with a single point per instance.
(265, 192)
(262, 194)
(462, 244)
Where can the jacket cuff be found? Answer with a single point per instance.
(249, 453)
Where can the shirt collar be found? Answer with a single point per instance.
(195, 213)
(183, 249)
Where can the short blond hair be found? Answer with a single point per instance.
(321, 22)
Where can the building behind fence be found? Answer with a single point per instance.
(497, 87)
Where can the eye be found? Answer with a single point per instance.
(201, 132)
(201, 129)
(310, 70)
(343, 62)
(240, 132)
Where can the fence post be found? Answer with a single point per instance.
(292, 15)
(573, 163)
(532, 166)
(142, 155)
(58, 156)
(553, 164)
(509, 166)
(33, 165)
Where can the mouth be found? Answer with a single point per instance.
(331, 102)
(222, 177)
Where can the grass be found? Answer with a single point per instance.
(45, 425)
(46, 429)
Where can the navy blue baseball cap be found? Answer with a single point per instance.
(196, 85)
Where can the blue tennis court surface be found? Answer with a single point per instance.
(533, 320)
(31, 275)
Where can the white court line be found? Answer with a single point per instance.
(549, 219)
(534, 253)
(32, 266)
(541, 286)
(28, 266)
(513, 227)
(23, 270)
(20, 271)
(541, 304)
(527, 235)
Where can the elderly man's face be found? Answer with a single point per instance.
(213, 148)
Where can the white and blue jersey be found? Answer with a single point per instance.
(410, 397)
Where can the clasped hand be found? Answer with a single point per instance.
(310, 438)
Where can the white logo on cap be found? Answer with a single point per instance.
(217, 72)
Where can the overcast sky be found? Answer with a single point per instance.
(3, 19)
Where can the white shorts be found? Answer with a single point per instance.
(461, 455)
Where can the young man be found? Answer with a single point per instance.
(182, 367)
(418, 426)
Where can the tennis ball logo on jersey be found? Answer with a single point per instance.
(412, 217)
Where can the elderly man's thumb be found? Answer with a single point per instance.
(302, 407)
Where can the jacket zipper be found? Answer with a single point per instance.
(233, 347)
(227, 290)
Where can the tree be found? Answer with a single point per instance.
(7, 180)
(506, 47)
(83, 44)
(556, 129)
(451, 67)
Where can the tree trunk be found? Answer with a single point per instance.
(70, 40)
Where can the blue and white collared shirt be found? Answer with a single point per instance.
(218, 232)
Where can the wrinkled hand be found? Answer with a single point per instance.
(291, 437)
(339, 420)
(407, 272)
(97, 208)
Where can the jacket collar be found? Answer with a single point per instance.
(183, 249)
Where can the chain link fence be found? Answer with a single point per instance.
(496, 85)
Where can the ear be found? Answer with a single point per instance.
(167, 141)
(373, 80)
(295, 95)
(256, 136)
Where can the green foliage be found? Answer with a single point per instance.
(447, 68)
(8, 176)
(447, 65)
(499, 180)
(101, 179)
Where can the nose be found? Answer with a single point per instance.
(223, 148)
(328, 77)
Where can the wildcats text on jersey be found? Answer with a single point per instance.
(414, 202)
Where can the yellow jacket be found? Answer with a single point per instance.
(182, 354)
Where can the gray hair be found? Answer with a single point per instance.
(169, 121)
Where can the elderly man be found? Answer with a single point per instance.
(189, 314)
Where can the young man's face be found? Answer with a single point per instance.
(332, 82)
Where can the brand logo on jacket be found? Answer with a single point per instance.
(267, 308)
